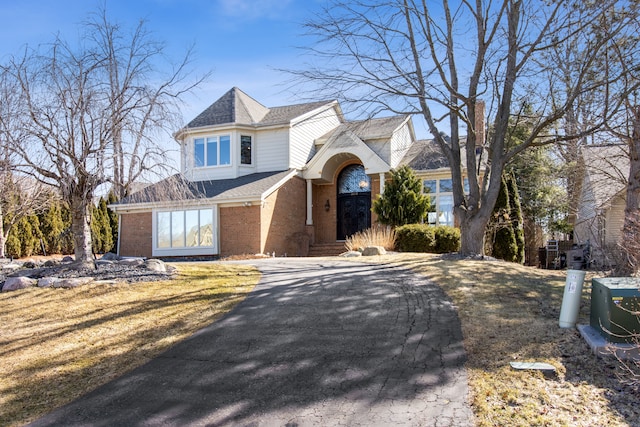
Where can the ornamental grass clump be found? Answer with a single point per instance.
(378, 236)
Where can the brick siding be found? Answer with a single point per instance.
(240, 230)
(284, 220)
(136, 236)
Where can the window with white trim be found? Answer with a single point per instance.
(184, 229)
(441, 194)
(212, 151)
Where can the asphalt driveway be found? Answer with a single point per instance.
(317, 343)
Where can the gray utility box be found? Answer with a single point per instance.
(613, 301)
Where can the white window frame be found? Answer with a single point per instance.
(186, 250)
(435, 198)
(206, 140)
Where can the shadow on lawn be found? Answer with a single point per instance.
(347, 341)
(73, 372)
(510, 312)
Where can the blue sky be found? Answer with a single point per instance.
(243, 42)
(240, 41)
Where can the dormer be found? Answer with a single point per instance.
(237, 136)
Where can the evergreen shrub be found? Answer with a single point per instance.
(447, 239)
(426, 238)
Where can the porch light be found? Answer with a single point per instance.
(327, 206)
(363, 184)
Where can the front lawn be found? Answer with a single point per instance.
(58, 344)
(510, 313)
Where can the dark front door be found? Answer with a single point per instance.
(354, 201)
(354, 214)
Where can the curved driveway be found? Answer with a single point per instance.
(317, 343)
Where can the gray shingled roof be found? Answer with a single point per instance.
(366, 130)
(177, 188)
(376, 128)
(425, 155)
(236, 107)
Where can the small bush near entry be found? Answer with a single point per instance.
(426, 238)
(447, 239)
(415, 238)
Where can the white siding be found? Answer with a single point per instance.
(304, 134)
(615, 220)
(382, 148)
(400, 142)
(272, 152)
(586, 224)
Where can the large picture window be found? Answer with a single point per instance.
(184, 229)
(212, 151)
(441, 193)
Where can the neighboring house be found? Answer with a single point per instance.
(600, 216)
(265, 180)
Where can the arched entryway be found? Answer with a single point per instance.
(354, 201)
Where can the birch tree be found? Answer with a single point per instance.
(94, 114)
(439, 59)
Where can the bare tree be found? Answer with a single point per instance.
(93, 114)
(20, 195)
(440, 60)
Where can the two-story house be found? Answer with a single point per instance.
(265, 180)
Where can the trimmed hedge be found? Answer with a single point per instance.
(425, 238)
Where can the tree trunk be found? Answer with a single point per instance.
(81, 228)
(472, 231)
(631, 229)
(3, 238)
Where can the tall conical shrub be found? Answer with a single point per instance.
(504, 239)
(403, 201)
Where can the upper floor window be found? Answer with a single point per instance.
(212, 151)
(245, 150)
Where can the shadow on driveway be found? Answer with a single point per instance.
(316, 343)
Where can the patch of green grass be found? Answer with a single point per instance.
(58, 344)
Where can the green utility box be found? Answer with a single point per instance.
(613, 303)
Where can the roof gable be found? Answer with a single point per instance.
(237, 108)
(377, 128)
(234, 106)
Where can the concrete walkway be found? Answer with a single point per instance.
(317, 343)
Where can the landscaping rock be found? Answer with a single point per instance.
(15, 283)
(351, 254)
(11, 266)
(29, 264)
(134, 262)
(155, 265)
(374, 250)
(47, 282)
(110, 256)
(72, 282)
(50, 263)
(67, 259)
(103, 262)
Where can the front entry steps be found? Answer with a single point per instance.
(326, 249)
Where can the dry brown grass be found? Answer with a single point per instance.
(58, 344)
(510, 313)
(377, 236)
